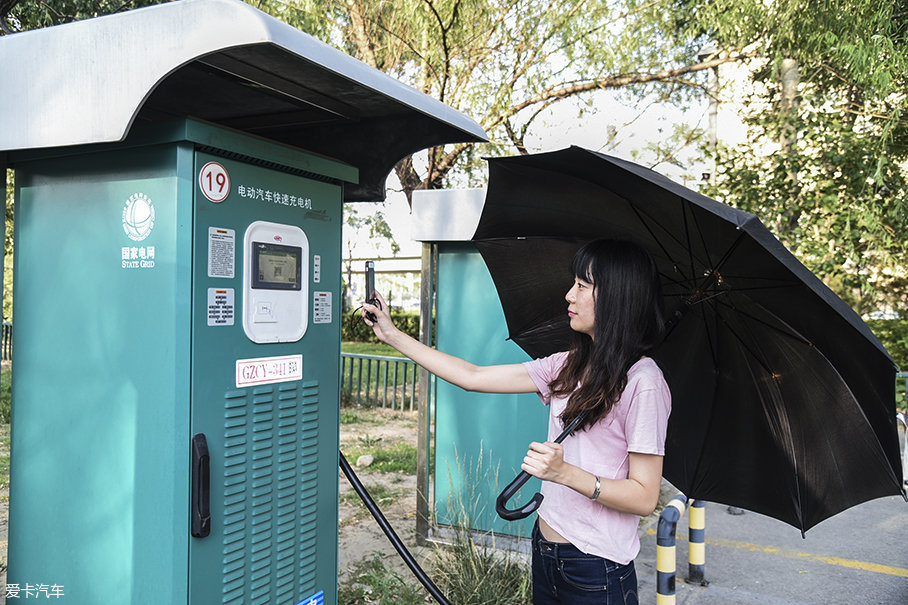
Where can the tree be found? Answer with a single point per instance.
(505, 62)
(825, 161)
(20, 15)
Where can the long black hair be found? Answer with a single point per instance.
(629, 322)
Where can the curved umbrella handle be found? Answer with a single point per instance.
(507, 493)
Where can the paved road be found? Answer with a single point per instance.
(858, 556)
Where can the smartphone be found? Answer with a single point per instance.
(370, 287)
(370, 280)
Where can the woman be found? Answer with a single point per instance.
(600, 480)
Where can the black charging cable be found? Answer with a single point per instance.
(389, 532)
(357, 315)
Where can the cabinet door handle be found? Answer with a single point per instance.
(200, 523)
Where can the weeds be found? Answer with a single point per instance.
(474, 573)
(349, 417)
(367, 441)
(470, 571)
(478, 574)
(373, 582)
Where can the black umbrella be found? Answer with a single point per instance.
(783, 400)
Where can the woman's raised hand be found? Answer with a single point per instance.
(382, 325)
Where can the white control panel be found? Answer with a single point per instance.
(275, 282)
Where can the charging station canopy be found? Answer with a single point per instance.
(223, 62)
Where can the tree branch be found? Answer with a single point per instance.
(361, 33)
(515, 138)
(409, 179)
(615, 81)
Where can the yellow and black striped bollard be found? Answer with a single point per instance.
(665, 550)
(697, 543)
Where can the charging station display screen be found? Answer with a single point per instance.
(276, 267)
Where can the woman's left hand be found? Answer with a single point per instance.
(545, 460)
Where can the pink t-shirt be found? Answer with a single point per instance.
(637, 423)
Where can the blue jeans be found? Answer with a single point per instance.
(564, 575)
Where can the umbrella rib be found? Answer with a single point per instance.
(675, 281)
(710, 332)
(779, 417)
(690, 252)
(705, 247)
(794, 335)
(730, 251)
(643, 220)
(738, 337)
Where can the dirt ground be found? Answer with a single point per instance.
(358, 533)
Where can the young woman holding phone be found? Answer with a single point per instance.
(607, 474)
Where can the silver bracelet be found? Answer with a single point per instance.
(595, 495)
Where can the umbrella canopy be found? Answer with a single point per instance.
(783, 400)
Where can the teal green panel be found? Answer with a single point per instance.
(480, 439)
(100, 407)
(274, 473)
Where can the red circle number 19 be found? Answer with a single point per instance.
(214, 181)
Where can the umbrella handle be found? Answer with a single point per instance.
(507, 493)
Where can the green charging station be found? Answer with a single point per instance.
(152, 274)
(177, 300)
(480, 439)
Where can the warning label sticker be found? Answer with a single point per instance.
(220, 306)
(221, 252)
(321, 308)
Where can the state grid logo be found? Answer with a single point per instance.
(138, 217)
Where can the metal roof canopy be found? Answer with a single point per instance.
(224, 62)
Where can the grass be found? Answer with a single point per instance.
(388, 458)
(349, 416)
(373, 582)
(478, 574)
(369, 348)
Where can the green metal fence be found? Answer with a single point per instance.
(377, 380)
